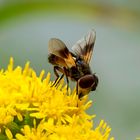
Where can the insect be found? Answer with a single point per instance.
(74, 65)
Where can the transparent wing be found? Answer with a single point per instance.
(55, 60)
(58, 48)
(84, 47)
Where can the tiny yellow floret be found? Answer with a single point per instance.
(8, 133)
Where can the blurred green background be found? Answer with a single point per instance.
(26, 26)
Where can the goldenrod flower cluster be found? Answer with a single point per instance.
(32, 109)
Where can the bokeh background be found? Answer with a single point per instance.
(26, 26)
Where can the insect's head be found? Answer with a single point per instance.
(89, 81)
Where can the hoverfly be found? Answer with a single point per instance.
(74, 65)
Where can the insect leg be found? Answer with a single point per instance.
(56, 69)
(59, 79)
(77, 88)
(66, 78)
(78, 91)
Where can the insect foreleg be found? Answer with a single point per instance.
(66, 78)
(56, 70)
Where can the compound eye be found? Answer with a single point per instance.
(86, 81)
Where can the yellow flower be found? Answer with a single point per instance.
(74, 130)
(32, 109)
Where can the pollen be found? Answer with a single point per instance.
(32, 109)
